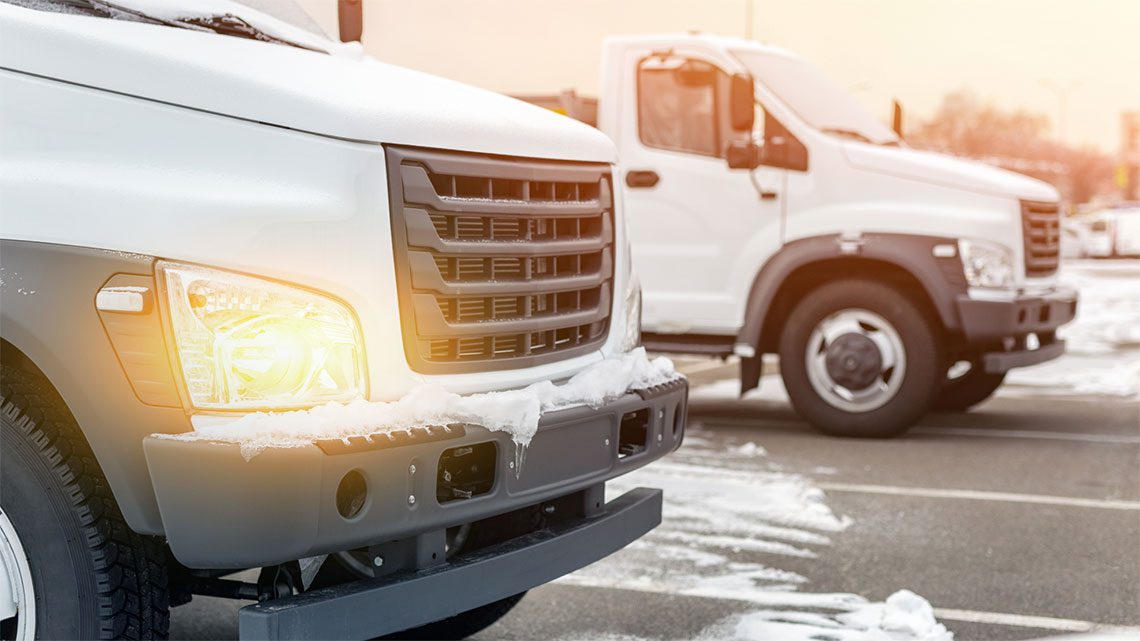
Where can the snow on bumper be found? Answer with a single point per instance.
(220, 510)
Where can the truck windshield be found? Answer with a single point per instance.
(274, 21)
(815, 98)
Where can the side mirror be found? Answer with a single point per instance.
(350, 18)
(743, 154)
(742, 103)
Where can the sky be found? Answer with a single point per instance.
(1018, 54)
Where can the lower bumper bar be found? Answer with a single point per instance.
(373, 607)
(1001, 362)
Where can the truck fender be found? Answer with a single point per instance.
(48, 316)
(940, 277)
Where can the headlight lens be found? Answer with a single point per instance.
(986, 265)
(247, 343)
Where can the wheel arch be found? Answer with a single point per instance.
(901, 260)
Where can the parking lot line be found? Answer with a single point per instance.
(1027, 621)
(1119, 439)
(978, 495)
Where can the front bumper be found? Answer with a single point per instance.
(221, 511)
(1003, 326)
(369, 608)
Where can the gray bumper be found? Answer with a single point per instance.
(995, 322)
(221, 511)
(370, 608)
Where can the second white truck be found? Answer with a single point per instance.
(771, 214)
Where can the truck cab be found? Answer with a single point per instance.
(771, 214)
(269, 304)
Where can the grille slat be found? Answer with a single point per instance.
(1041, 229)
(501, 263)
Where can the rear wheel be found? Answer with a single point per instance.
(858, 358)
(76, 569)
(966, 390)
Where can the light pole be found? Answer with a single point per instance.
(1062, 91)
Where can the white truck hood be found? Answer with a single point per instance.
(345, 95)
(947, 171)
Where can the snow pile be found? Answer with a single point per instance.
(515, 412)
(904, 616)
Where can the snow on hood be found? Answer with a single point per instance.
(949, 171)
(515, 412)
(343, 94)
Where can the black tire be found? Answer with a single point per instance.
(919, 337)
(463, 624)
(966, 391)
(93, 577)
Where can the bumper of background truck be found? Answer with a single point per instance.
(220, 511)
(1007, 323)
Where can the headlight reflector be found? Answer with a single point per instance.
(247, 343)
(631, 329)
(986, 265)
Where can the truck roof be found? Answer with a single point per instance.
(344, 95)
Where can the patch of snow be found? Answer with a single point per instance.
(749, 450)
(728, 523)
(516, 412)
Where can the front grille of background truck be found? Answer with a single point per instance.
(500, 262)
(1041, 229)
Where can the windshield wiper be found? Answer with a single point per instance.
(856, 135)
(847, 133)
(226, 24)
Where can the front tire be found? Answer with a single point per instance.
(92, 577)
(858, 358)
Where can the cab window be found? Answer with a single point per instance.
(678, 105)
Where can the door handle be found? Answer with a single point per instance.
(768, 195)
(641, 178)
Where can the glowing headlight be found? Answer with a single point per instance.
(986, 265)
(247, 343)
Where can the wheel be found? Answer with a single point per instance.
(463, 624)
(858, 358)
(74, 567)
(967, 390)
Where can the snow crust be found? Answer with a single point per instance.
(516, 412)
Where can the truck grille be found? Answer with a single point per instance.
(500, 262)
(1041, 228)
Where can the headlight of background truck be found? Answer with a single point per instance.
(244, 343)
(986, 265)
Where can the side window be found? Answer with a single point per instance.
(678, 105)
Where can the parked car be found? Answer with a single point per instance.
(210, 213)
(771, 214)
(1074, 239)
(1113, 232)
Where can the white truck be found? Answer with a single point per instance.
(210, 215)
(771, 214)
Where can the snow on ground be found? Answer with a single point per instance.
(1103, 355)
(720, 508)
(515, 412)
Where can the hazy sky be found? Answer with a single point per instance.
(1006, 51)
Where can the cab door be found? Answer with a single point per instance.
(699, 228)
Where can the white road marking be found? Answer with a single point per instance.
(1027, 621)
(979, 495)
(1120, 439)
